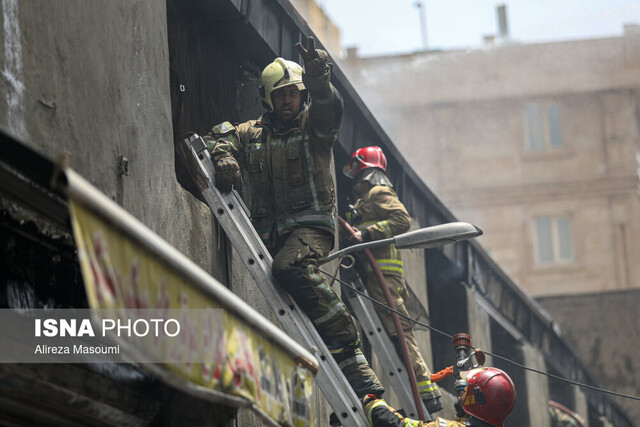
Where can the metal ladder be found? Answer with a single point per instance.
(393, 370)
(231, 213)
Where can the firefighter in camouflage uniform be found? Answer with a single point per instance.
(380, 215)
(287, 154)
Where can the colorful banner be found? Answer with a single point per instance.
(234, 359)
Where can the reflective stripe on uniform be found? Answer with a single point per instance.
(443, 423)
(351, 345)
(337, 306)
(317, 278)
(380, 402)
(392, 263)
(311, 172)
(427, 386)
(389, 265)
(393, 252)
(358, 359)
(334, 311)
(384, 225)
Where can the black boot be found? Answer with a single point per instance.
(433, 405)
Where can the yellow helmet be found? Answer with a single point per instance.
(280, 73)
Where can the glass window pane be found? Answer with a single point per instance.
(564, 239)
(535, 134)
(555, 126)
(544, 240)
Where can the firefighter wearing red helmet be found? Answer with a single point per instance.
(381, 215)
(363, 158)
(487, 401)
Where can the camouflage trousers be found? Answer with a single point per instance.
(295, 267)
(396, 284)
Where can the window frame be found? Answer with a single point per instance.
(541, 118)
(555, 239)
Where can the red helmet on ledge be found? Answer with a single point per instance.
(363, 158)
(490, 395)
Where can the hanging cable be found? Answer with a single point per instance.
(563, 379)
(601, 390)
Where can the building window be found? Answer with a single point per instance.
(553, 240)
(543, 127)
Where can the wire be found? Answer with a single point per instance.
(564, 379)
(386, 306)
(601, 390)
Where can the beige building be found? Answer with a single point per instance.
(320, 24)
(536, 144)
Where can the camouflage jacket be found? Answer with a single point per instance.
(289, 170)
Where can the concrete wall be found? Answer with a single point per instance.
(603, 329)
(479, 325)
(537, 388)
(416, 277)
(93, 80)
(581, 405)
(95, 83)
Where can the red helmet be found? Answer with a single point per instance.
(363, 158)
(490, 395)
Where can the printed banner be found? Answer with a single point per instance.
(229, 355)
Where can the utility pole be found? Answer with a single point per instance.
(422, 10)
(503, 27)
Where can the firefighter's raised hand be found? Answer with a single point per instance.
(228, 174)
(315, 60)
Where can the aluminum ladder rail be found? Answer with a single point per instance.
(231, 213)
(393, 370)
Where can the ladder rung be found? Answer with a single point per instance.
(230, 212)
(393, 369)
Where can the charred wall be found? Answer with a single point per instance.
(601, 327)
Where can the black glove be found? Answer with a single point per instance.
(316, 61)
(364, 235)
(228, 174)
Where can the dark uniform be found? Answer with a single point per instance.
(381, 215)
(292, 209)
